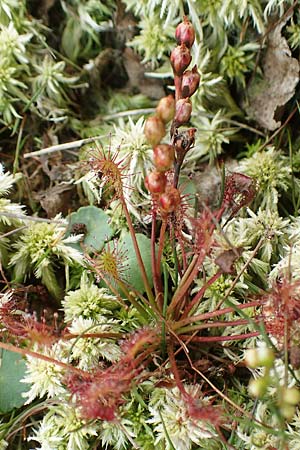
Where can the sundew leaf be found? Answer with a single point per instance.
(132, 273)
(96, 223)
(12, 370)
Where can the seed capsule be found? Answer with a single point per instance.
(180, 59)
(166, 108)
(163, 157)
(156, 182)
(185, 33)
(169, 200)
(183, 111)
(190, 82)
(154, 130)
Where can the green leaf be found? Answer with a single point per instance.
(71, 39)
(98, 230)
(12, 370)
(132, 274)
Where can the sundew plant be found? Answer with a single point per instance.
(149, 229)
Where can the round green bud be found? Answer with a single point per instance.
(291, 396)
(257, 388)
(287, 411)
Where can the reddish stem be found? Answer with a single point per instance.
(183, 287)
(138, 253)
(218, 324)
(155, 267)
(200, 294)
(235, 337)
(210, 315)
(161, 242)
(175, 369)
(177, 83)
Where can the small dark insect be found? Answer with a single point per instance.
(79, 228)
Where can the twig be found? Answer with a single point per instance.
(63, 147)
(9, 233)
(34, 219)
(132, 112)
(278, 130)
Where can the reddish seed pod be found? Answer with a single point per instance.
(156, 182)
(183, 111)
(154, 130)
(180, 59)
(185, 33)
(163, 157)
(166, 108)
(169, 200)
(190, 82)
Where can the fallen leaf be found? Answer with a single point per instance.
(280, 78)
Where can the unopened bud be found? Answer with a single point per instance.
(180, 59)
(166, 108)
(257, 357)
(169, 200)
(190, 82)
(156, 182)
(291, 396)
(154, 130)
(257, 388)
(163, 156)
(287, 411)
(185, 33)
(183, 111)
